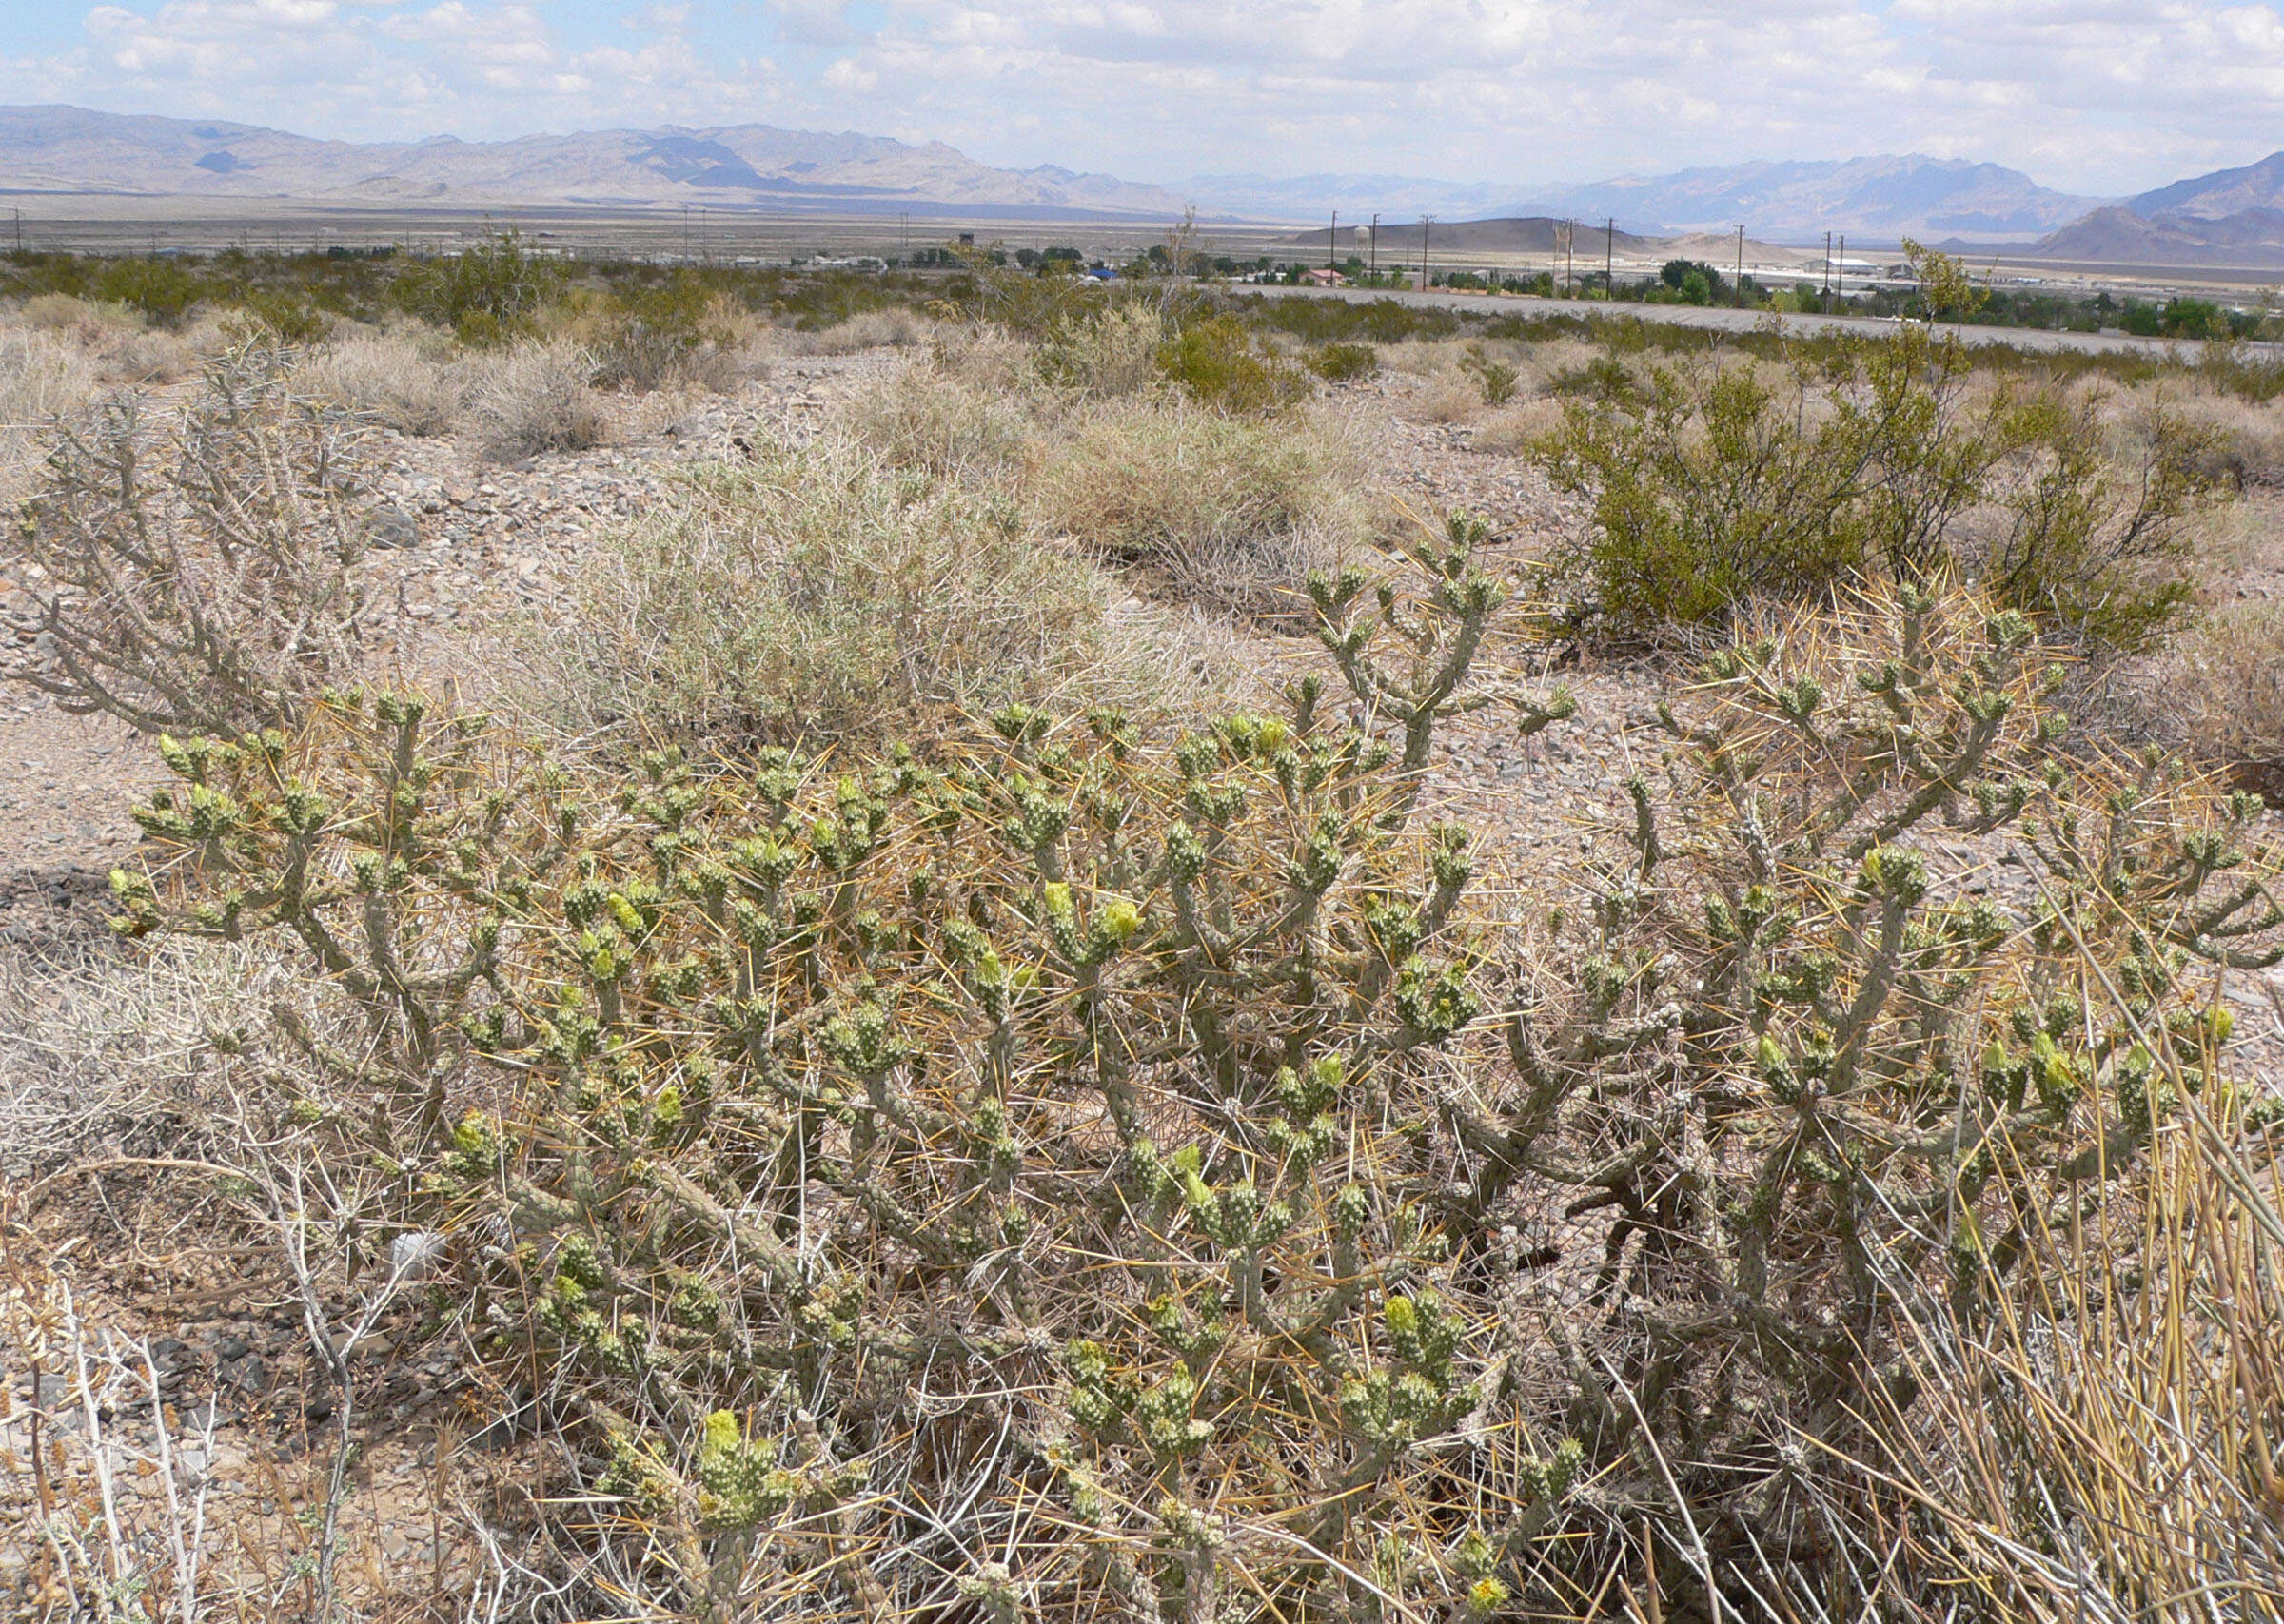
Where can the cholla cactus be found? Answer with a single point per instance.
(1087, 1119)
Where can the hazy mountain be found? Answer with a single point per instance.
(71, 149)
(2222, 192)
(2231, 216)
(1400, 240)
(2250, 236)
(1879, 198)
(1357, 197)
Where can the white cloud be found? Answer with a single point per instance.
(2099, 96)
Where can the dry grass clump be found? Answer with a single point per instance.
(1513, 430)
(2229, 685)
(2107, 1444)
(1446, 398)
(42, 377)
(108, 1050)
(895, 327)
(1235, 510)
(123, 347)
(405, 379)
(537, 397)
(815, 594)
(1114, 353)
(2247, 436)
(954, 413)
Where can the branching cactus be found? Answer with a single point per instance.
(1064, 1177)
(1437, 636)
(1872, 938)
(1073, 1078)
(204, 579)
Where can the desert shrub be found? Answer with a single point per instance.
(1713, 483)
(490, 293)
(1604, 377)
(1342, 363)
(204, 581)
(537, 397)
(2097, 532)
(812, 594)
(1220, 362)
(2252, 376)
(935, 417)
(394, 376)
(892, 327)
(1107, 353)
(159, 290)
(677, 332)
(283, 316)
(1160, 1154)
(1494, 377)
(2227, 681)
(1706, 491)
(1342, 321)
(42, 375)
(1236, 511)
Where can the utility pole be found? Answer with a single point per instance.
(1828, 292)
(1375, 247)
(1332, 243)
(1426, 221)
(1609, 260)
(1740, 267)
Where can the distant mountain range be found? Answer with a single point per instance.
(59, 149)
(1874, 198)
(2234, 216)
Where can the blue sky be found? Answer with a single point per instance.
(2101, 97)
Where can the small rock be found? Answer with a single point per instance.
(391, 527)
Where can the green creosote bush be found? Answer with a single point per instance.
(203, 581)
(658, 333)
(1715, 485)
(1128, 1145)
(1221, 363)
(1708, 491)
(490, 293)
(1495, 379)
(2098, 533)
(163, 291)
(812, 594)
(1343, 363)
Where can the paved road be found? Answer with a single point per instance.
(1724, 320)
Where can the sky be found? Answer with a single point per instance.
(2103, 97)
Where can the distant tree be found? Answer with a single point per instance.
(1695, 290)
(1945, 284)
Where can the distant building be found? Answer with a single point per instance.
(1323, 278)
